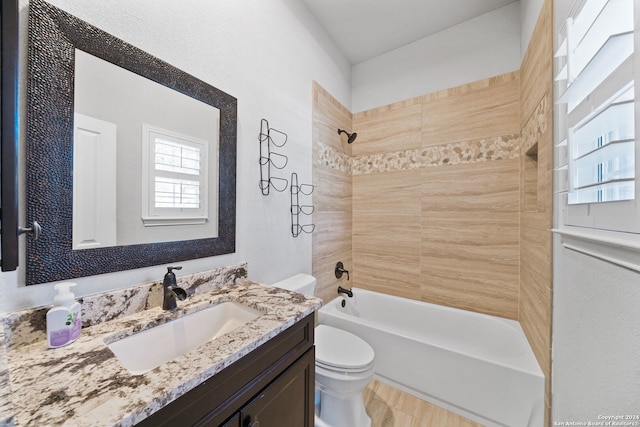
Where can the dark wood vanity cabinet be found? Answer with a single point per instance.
(273, 386)
(283, 403)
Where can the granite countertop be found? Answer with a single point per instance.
(84, 384)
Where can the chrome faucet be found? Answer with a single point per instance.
(171, 290)
(342, 290)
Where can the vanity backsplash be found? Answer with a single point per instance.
(29, 326)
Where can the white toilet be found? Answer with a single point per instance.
(344, 367)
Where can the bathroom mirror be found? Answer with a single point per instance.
(160, 183)
(54, 39)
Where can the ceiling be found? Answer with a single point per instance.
(363, 29)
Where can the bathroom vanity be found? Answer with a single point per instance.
(271, 386)
(257, 373)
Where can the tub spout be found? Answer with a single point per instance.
(342, 290)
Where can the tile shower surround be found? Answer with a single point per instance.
(509, 147)
(503, 132)
(479, 150)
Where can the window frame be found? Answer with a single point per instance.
(153, 216)
(609, 231)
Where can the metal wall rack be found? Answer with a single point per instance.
(297, 209)
(269, 138)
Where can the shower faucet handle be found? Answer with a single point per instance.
(340, 270)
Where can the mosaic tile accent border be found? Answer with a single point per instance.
(480, 150)
(327, 156)
(397, 160)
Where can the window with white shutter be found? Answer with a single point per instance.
(597, 177)
(174, 175)
(596, 156)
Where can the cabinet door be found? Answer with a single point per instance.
(286, 402)
(233, 422)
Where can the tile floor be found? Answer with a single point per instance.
(389, 407)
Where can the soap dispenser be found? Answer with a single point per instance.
(64, 323)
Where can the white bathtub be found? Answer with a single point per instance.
(476, 365)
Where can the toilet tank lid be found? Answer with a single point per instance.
(297, 282)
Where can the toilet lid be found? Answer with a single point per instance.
(341, 349)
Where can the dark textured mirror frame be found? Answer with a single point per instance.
(53, 37)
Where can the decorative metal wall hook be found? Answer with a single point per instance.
(35, 230)
(268, 158)
(297, 209)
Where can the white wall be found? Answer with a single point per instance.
(483, 47)
(265, 53)
(596, 324)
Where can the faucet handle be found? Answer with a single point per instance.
(170, 277)
(340, 270)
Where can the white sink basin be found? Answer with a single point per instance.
(149, 349)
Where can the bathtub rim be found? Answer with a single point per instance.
(528, 358)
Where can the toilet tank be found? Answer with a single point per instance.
(301, 283)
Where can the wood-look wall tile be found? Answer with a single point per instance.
(536, 71)
(331, 243)
(545, 169)
(397, 191)
(486, 186)
(535, 247)
(445, 281)
(329, 116)
(332, 190)
(535, 318)
(472, 114)
(391, 129)
(470, 236)
(470, 87)
(323, 270)
(332, 197)
(386, 252)
(536, 118)
(489, 236)
(333, 232)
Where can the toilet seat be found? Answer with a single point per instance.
(341, 351)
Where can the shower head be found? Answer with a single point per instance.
(350, 136)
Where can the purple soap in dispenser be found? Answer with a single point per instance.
(64, 322)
